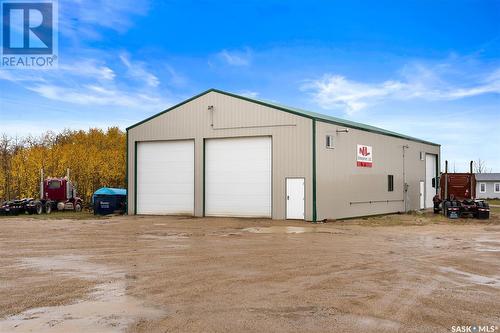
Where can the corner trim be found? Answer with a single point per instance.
(203, 173)
(314, 214)
(126, 170)
(135, 177)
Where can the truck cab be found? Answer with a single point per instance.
(457, 197)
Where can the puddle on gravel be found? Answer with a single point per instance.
(106, 309)
(486, 244)
(474, 278)
(164, 237)
(370, 323)
(168, 241)
(290, 230)
(71, 265)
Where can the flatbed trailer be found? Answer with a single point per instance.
(28, 205)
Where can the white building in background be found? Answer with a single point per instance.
(488, 185)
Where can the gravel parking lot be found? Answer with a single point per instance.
(398, 273)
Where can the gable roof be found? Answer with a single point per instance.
(488, 176)
(299, 112)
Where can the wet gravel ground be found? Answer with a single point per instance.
(399, 273)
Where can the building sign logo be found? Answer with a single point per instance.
(29, 34)
(364, 156)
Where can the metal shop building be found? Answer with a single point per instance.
(221, 154)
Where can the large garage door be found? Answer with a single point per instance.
(165, 177)
(430, 179)
(238, 177)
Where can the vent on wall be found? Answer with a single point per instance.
(329, 141)
(422, 155)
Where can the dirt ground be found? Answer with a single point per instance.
(398, 273)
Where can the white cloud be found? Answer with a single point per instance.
(88, 68)
(82, 18)
(99, 95)
(83, 68)
(175, 78)
(236, 58)
(333, 91)
(20, 75)
(137, 70)
(89, 81)
(249, 93)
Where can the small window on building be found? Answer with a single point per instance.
(329, 141)
(497, 187)
(482, 187)
(390, 183)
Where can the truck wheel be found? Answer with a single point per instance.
(78, 207)
(38, 208)
(436, 208)
(48, 208)
(446, 206)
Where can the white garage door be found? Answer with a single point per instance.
(430, 184)
(165, 177)
(238, 177)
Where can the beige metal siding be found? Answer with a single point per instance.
(232, 117)
(341, 185)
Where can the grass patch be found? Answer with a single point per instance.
(421, 218)
(494, 201)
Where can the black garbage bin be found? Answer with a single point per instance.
(108, 200)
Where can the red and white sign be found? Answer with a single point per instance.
(364, 156)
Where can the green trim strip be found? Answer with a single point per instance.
(298, 112)
(126, 170)
(314, 217)
(135, 177)
(203, 189)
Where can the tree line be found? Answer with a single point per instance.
(96, 158)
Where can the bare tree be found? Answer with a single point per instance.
(5, 158)
(479, 166)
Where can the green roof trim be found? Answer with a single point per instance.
(299, 112)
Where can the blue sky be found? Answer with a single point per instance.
(429, 69)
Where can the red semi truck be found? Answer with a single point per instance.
(457, 196)
(55, 194)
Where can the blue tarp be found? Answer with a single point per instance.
(109, 191)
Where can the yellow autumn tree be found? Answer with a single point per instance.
(95, 158)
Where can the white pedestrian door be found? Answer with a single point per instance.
(422, 194)
(295, 200)
(430, 179)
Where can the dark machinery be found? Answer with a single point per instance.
(457, 197)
